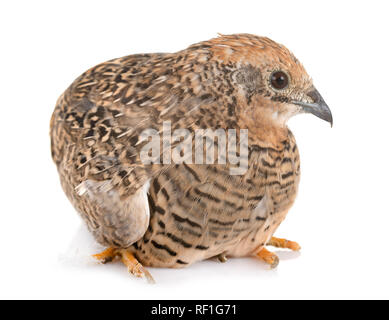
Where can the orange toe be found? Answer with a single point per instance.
(268, 257)
(128, 259)
(283, 243)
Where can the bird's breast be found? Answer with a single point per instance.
(201, 211)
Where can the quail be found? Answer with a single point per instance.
(172, 214)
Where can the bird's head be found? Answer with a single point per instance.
(272, 84)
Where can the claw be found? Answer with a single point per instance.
(222, 257)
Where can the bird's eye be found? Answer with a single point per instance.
(279, 80)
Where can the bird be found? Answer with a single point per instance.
(171, 215)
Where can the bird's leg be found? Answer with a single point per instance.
(283, 243)
(128, 259)
(268, 257)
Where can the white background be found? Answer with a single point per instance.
(341, 215)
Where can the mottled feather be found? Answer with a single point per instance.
(196, 211)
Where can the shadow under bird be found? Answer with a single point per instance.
(174, 214)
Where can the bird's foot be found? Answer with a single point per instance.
(222, 257)
(283, 243)
(128, 259)
(106, 256)
(268, 257)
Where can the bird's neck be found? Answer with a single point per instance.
(265, 125)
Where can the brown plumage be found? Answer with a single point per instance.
(172, 215)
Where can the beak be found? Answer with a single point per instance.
(318, 108)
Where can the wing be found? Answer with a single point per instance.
(105, 111)
(97, 126)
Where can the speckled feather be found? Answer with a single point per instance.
(190, 212)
